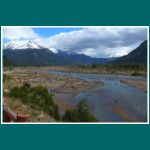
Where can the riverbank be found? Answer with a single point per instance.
(40, 76)
(124, 114)
(56, 84)
(132, 101)
(141, 84)
(100, 70)
(69, 88)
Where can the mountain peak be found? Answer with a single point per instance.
(24, 44)
(54, 50)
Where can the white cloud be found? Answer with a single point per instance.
(98, 42)
(17, 33)
(94, 42)
(95, 37)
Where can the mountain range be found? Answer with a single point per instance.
(138, 55)
(30, 53)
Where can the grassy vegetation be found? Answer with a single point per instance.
(36, 96)
(115, 66)
(136, 74)
(135, 69)
(80, 114)
(5, 77)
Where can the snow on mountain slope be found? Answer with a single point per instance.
(33, 44)
(24, 44)
(54, 50)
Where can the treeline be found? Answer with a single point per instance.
(114, 66)
(7, 62)
(40, 98)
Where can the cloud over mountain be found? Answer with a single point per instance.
(16, 33)
(95, 42)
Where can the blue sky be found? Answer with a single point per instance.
(47, 32)
(43, 32)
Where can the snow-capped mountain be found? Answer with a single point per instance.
(33, 44)
(54, 50)
(24, 44)
(32, 53)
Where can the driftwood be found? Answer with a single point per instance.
(10, 116)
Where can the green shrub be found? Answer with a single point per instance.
(38, 96)
(71, 115)
(136, 74)
(5, 77)
(80, 114)
(26, 84)
(56, 112)
(14, 92)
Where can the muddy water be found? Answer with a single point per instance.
(113, 102)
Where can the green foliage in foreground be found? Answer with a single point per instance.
(5, 77)
(80, 114)
(38, 96)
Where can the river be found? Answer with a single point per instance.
(113, 102)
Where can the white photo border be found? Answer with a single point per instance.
(2, 27)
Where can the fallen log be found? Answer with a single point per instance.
(10, 116)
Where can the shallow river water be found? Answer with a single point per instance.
(112, 99)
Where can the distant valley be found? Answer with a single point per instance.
(138, 55)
